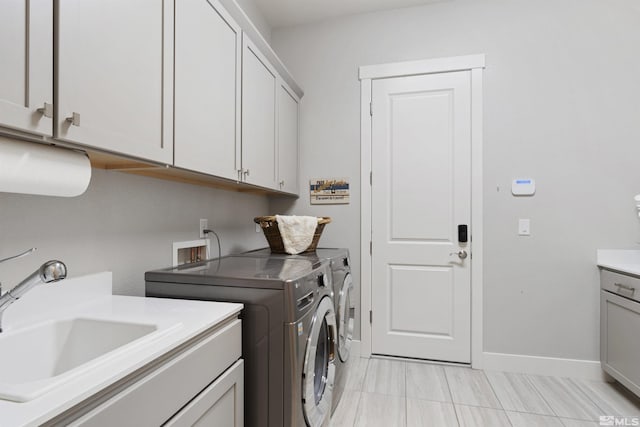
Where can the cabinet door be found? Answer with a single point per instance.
(114, 74)
(221, 404)
(26, 74)
(287, 139)
(207, 89)
(258, 117)
(619, 345)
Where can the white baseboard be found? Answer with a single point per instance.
(549, 366)
(534, 365)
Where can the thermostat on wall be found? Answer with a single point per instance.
(523, 187)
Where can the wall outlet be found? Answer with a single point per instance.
(524, 227)
(204, 224)
(258, 228)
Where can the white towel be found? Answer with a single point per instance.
(296, 232)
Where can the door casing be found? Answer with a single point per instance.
(475, 64)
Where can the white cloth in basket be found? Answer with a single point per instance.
(296, 232)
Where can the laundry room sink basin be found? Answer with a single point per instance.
(35, 359)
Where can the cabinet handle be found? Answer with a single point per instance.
(74, 119)
(47, 110)
(626, 287)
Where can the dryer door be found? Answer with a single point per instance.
(319, 367)
(346, 318)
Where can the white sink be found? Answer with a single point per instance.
(37, 358)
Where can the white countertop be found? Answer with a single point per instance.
(623, 260)
(90, 296)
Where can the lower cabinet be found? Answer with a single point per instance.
(200, 382)
(220, 404)
(619, 345)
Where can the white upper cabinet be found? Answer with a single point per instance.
(258, 118)
(221, 103)
(114, 76)
(287, 139)
(26, 73)
(208, 49)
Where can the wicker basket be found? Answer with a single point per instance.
(272, 233)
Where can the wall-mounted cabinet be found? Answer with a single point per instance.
(269, 124)
(229, 114)
(26, 76)
(287, 139)
(208, 45)
(259, 84)
(115, 75)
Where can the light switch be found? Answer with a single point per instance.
(524, 227)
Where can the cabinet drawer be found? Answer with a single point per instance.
(152, 400)
(619, 344)
(221, 404)
(621, 284)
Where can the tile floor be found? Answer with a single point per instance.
(389, 393)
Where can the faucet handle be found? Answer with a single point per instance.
(20, 255)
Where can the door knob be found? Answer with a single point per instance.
(462, 254)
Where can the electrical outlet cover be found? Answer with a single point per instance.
(204, 224)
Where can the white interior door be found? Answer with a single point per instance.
(421, 192)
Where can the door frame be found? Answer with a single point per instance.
(475, 64)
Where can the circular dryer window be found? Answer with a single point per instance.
(319, 367)
(346, 318)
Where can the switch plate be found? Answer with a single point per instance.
(524, 227)
(258, 228)
(204, 224)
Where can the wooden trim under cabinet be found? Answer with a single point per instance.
(113, 162)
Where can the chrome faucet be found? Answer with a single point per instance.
(50, 271)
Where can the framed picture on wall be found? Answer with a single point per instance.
(329, 191)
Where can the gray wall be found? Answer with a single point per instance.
(123, 223)
(562, 105)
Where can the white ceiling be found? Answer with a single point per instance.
(286, 13)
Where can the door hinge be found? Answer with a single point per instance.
(371, 109)
(370, 316)
(370, 247)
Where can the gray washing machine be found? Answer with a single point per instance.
(344, 305)
(289, 330)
